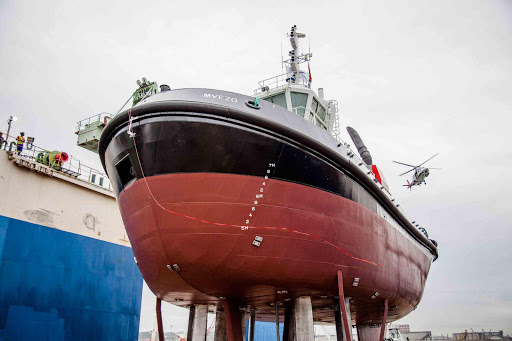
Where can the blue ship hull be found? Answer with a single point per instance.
(56, 285)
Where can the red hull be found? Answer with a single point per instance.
(319, 233)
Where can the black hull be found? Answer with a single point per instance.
(165, 146)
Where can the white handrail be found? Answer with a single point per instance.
(283, 80)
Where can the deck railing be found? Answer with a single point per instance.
(73, 167)
(103, 118)
(283, 80)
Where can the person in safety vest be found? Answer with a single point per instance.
(19, 142)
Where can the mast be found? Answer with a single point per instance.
(297, 76)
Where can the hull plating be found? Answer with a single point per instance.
(197, 221)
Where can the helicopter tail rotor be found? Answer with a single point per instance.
(409, 184)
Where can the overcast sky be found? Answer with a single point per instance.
(414, 78)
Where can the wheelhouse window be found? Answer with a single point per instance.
(321, 112)
(279, 99)
(299, 101)
(314, 105)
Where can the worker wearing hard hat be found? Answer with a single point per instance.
(20, 140)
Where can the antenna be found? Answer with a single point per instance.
(282, 62)
(294, 74)
(309, 57)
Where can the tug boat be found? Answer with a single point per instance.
(254, 201)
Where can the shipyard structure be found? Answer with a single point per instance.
(66, 266)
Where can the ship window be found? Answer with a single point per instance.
(321, 113)
(279, 99)
(299, 101)
(125, 170)
(314, 105)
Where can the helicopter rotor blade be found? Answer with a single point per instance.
(405, 164)
(429, 159)
(434, 168)
(410, 170)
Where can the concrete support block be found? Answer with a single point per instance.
(220, 327)
(303, 311)
(367, 333)
(373, 332)
(244, 324)
(199, 323)
(347, 310)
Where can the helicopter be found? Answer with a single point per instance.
(420, 173)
